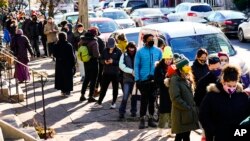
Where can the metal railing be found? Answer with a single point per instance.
(6, 72)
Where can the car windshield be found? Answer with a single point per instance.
(213, 43)
(135, 3)
(72, 18)
(92, 15)
(201, 8)
(118, 5)
(115, 15)
(105, 26)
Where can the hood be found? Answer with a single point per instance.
(217, 88)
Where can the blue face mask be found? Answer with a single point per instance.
(216, 72)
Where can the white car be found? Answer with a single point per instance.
(120, 17)
(73, 16)
(115, 4)
(194, 12)
(244, 31)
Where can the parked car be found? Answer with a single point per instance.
(227, 20)
(115, 4)
(190, 12)
(131, 34)
(187, 37)
(121, 17)
(244, 30)
(73, 16)
(167, 10)
(106, 26)
(135, 4)
(146, 16)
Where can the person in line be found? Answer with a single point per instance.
(184, 114)
(110, 59)
(126, 64)
(91, 67)
(144, 68)
(199, 67)
(76, 39)
(65, 65)
(225, 106)
(122, 42)
(161, 73)
(212, 76)
(20, 46)
(42, 23)
(51, 31)
(34, 34)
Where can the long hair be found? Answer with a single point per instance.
(190, 79)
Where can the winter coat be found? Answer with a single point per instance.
(199, 70)
(65, 65)
(51, 36)
(41, 30)
(25, 27)
(20, 45)
(6, 35)
(101, 44)
(220, 112)
(122, 45)
(201, 88)
(92, 45)
(126, 64)
(33, 30)
(159, 76)
(113, 68)
(184, 114)
(145, 59)
(77, 38)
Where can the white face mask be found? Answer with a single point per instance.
(223, 64)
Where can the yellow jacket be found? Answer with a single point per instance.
(122, 45)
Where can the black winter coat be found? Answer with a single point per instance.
(65, 65)
(220, 113)
(113, 68)
(201, 88)
(33, 30)
(199, 70)
(159, 76)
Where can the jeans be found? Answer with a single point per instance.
(106, 79)
(91, 71)
(127, 90)
(99, 79)
(35, 46)
(44, 42)
(147, 97)
(183, 136)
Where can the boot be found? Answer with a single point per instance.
(142, 123)
(151, 122)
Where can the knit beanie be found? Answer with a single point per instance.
(181, 61)
(223, 54)
(167, 52)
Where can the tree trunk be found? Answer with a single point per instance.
(51, 8)
(83, 13)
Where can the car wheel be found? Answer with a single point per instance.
(181, 20)
(241, 35)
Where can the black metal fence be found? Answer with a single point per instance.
(38, 80)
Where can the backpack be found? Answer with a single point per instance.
(83, 54)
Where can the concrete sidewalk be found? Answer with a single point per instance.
(77, 121)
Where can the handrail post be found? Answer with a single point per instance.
(1, 82)
(34, 94)
(44, 113)
(9, 79)
(17, 91)
(26, 93)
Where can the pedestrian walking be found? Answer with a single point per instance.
(224, 106)
(126, 64)
(110, 59)
(184, 115)
(42, 23)
(212, 76)
(161, 73)
(199, 67)
(20, 47)
(65, 65)
(91, 66)
(144, 67)
(51, 31)
(34, 33)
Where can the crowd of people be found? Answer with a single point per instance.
(211, 94)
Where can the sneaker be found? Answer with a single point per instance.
(113, 106)
(82, 98)
(97, 106)
(91, 99)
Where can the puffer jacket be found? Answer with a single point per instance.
(126, 64)
(122, 45)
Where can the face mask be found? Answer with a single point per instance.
(216, 72)
(229, 90)
(223, 64)
(186, 69)
(151, 43)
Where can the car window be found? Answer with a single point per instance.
(115, 15)
(183, 8)
(211, 16)
(135, 3)
(132, 37)
(201, 8)
(72, 18)
(105, 26)
(219, 17)
(118, 5)
(189, 45)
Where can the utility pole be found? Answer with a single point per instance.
(83, 13)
